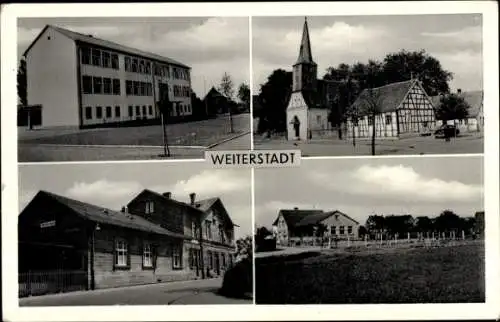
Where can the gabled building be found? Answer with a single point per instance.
(80, 80)
(296, 225)
(216, 103)
(306, 111)
(403, 109)
(475, 118)
(155, 239)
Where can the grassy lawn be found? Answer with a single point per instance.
(419, 275)
(201, 133)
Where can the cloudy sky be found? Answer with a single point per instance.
(360, 187)
(211, 46)
(455, 40)
(114, 185)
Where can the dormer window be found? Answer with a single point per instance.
(149, 207)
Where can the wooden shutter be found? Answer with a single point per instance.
(115, 253)
(154, 254)
(128, 252)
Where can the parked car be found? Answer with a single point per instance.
(446, 130)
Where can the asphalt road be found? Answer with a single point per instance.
(186, 292)
(56, 152)
(409, 146)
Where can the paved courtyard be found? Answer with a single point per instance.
(186, 141)
(187, 292)
(467, 143)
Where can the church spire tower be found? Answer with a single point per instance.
(305, 69)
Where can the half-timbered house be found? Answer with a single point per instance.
(401, 109)
(66, 244)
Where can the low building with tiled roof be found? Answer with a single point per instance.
(401, 109)
(294, 226)
(475, 118)
(154, 238)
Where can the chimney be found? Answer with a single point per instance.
(192, 197)
(459, 91)
(167, 195)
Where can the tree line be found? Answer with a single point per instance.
(353, 79)
(401, 225)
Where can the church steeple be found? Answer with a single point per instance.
(305, 69)
(305, 55)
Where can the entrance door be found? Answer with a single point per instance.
(217, 263)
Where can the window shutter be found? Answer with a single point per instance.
(141, 245)
(115, 254)
(154, 254)
(128, 253)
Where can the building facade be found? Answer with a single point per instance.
(300, 226)
(305, 113)
(84, 81)
(402, 109)
(475, 118)
(157, 239)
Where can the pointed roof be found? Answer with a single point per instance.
(294, 216)
(305, 55)
(89, 39)
(473, 98)
(103, 215)
(389, 96)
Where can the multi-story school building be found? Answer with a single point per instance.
(80, 80)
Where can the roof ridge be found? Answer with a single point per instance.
(394, 83)
(138, 51)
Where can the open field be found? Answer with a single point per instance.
(200, 134)
(391, 275)
(467, 143)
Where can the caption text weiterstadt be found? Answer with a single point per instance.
(254, 158)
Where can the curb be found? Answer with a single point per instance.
(111, 146)
(228, 139)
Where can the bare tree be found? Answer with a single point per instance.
(373, 107)
(227, 89)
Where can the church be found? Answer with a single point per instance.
(403, 108)
(307, 109)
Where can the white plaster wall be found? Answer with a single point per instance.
(297, 106)
(52, 79)
(338, 220)
(314, 125)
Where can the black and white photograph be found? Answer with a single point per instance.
(368, 85)
(132, 88)
(250, 160)
(131, 234)
(370, 231)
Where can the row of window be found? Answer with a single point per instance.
(98, 57)
(141, 66)
(122, 255)
(89, 112)
(209, 233)
(214, 260)
(100, 85)
(181, 91)
(333, 230)
(138, 88)
(107, 59)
